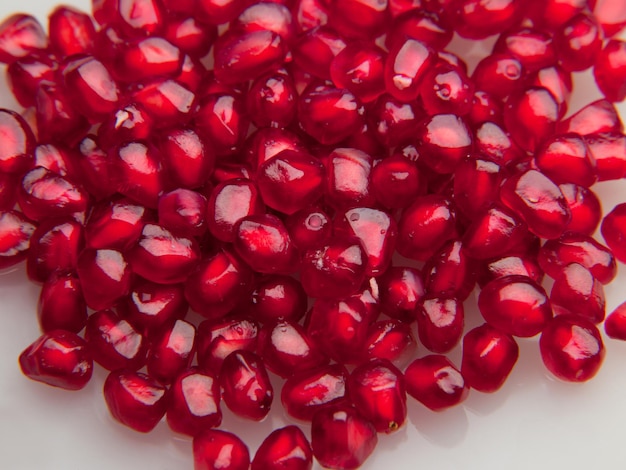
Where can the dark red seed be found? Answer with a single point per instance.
(15, 234)
(171, 351)
(285, 448)
(577, 292)
(61, 304)
(214, 449)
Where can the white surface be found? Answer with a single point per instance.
(533, 422)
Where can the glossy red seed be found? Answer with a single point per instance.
(162, 257)
(105, 277)
(183, 211)
(493, 233)
(555, 13)
(435, 382)
(392, 121)
(168, 102)
(61, 304)
(478, 19)
(444, 140)
(220, 11)
(272, 100)
(54, 246)
(391, 340)
(277, 297)
(334, 270)
(521, 265)
(135, 399)
(609, 151)
(93, 163)
(396, 182)
(401, 289)
(515, 305)
(610, 70)
(493, 142)
(16, 155)
(219, 449)
(71, 31)
(585, 208)
(597, 117)
(8, 191)
(500, 75)
(558, 82)
(358, 18)
(476, 185)
(247, 390)
(20, 34)
(405, 67)
(287, 348)
(285, 448)
(434, 218)
(488, 358)
(576, 248)
(578, 42)
(359, 68)
(149, 58)
(187, 157)
(58, 358)
(315, 50)
(348, 173)
(611, 14)
(614, 231)
(115, 343)
(450, 271)
(440, 322)
(24, 76)
(577, 292)
(15, 235)
(189, 34)
(194, 404)
(341, 437)
(571, 348)
(421, 25)
(137, 18)
(221, 117)
(447, 89)
(615, 324)
(56, 116)
(57, 158)
(309, 228)
(567, 159)
(532, 47)
(538, 202)
(171, 351)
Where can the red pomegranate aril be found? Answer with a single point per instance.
(571, 348)
(194, 404)
(359, 68)
(135, 399)
(218, 284)
(558, 82)
(54, 246)
(263, 242)
(329, 114)
(447, 89)
(150, 306)
(216, 340)
(285, 448)
(310, 14)
(614, 231)
(532, 47)
(478, 19)
(500, 75)
(105, 277)
(444, 139)
(435, 382)
(163, 257)
(450, 271)
(56, 117)
(20, 34)
(214, 449)
(334, 270)
(538, 201)
(515, 305)
(585, 208)
(485, 108)
(309, 228)
(270, 16)
(515, 265)
(425, 226)
(391, 340)
(315, 50)
(149, 58)
(266, 143)
(168, 101)
(115, 224)
(440, 322)
(396, 181)
(58, 358)
(611, 14)
(401, 289)
(488, 358)
(476, 185)
(25, 74)
(552, 14)
(115, 343)
(392, 121)
(287, 348)
(577, 292)
(341, 437)
(16, 232)
(61, 304)
(291, 181)
(272, 100)
(277, 297)
(378, 392)
(192, 74)
(221, 118)
(171, 351)
(597, 117)
(348, 173)
(492, 142)
(220, 11)
(609, 151)
(187, 157)
(8, 191)
(190, 35)
(405, 68)
(137, 18)
(240, 55)
(421, 25)
(493, 233)
(362, 19)
(16, 155)
(58, 159)
(578, 42)
(567, 159)
(615, 323)
(610, 70)
(577, 248)
(183, 211)
(71, 31)
(247, 390)
(93, 163)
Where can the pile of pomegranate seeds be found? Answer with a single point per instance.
(228, 204)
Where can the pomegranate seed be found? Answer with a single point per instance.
(105, 277)
(219, 449)
(136, 18)
(190, 35)
(315, 50)
(450, 272)
(218, 12)
(476, 185)
(348, 173)
(286, 448)
(58, 358)
(216, 340)
(359, 68)
(615, 323)
(148, 58)
(221, 117)
(578, 42)
(19, 36)
(277, 297)
(555, 13)
(435, 382)
(611, 14)
(71, 31)
(576, 291)
(56, 116)
(247, 390)
(440, 322)
(488, 358)
(567, 159)
(558, 82)
(526, 266)
(115, 343)
(393, 122)
(306, 392)
(26, 74)
(391, 340)
(341, 437)
(609, 152)
(532, 47)
(420, 25)
(16, 155)
(395, 182)
(61, 304)
(188, 159)
(594, 118)
(183, 211)
(171, 352)
(272, 99)
(447, 89)
(194, 404)
(405, 68)
(500, 75)
(135, 400)
(477, 19)
(495, 144)
(16, 232)
(309, 229)
(571, 348)
(610, 69)
(585, 208)
(167, 101)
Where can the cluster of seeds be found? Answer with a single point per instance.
(324, 185)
